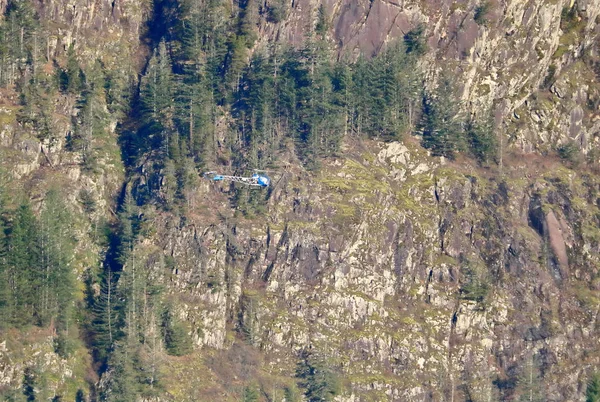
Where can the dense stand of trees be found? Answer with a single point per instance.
(35, 265)
(297, 94)
(204, 101)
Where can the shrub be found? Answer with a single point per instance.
(86, 198)
(481, 13)
(569, 18)
(475, 286)
(569, 152)
(550, 77)
(63, 346)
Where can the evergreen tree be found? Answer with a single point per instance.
(24, 277)
(169, 184)
(157, 94)
(56, 253)
(106, 322)
(530, 381)
(592, 392)
(20, 35)
(200, 61)
(415, 41)
(118, 89)
(383, 93)
(402, 89)
(341, 82)
(251, 394)
(248, 22)
(80, 396)
(236, 60)
(194, 115)
(131, 280)
(121, 385)
(37, 107)
(440, 123)
(292, 394)
(5, 291)
(277, 10)
(177, 340)
(254, 109)
(319, 381)
(29, 383)
(322, 21)
(481, 138)
(91, 120)
(320, 119)
(72, 79)
(128, 226)
(298, 94)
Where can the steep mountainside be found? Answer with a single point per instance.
(413, 276)
(396, 256)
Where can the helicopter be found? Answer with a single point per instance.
(258, 178)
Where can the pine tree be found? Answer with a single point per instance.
(20, 33)
(277, 10)
(236, 60)
(250, 394)
(177, 340)
(401, 89)
(360, 85)
(128, 225)
(118, 87)
(415, 41)
(248, 22)
(592, 392)
(292, 394)
(73, 76)
(157, 94)
(29, 383)
(440, 124)
(56, 253)
(5, 291)
(91, 120)
(481, 138)
(319, 381)
(24, 277)
(342, 86)
(201, 30)
(322, 21)
(130, 280)
(194, 114)
(254, 109)
(106, 323)
(169, 185)
(530, 381)
(80, 396)
(121, 385)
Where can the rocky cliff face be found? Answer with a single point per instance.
(419, 278)
(416, 275)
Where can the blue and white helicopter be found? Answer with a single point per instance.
(258, 178)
